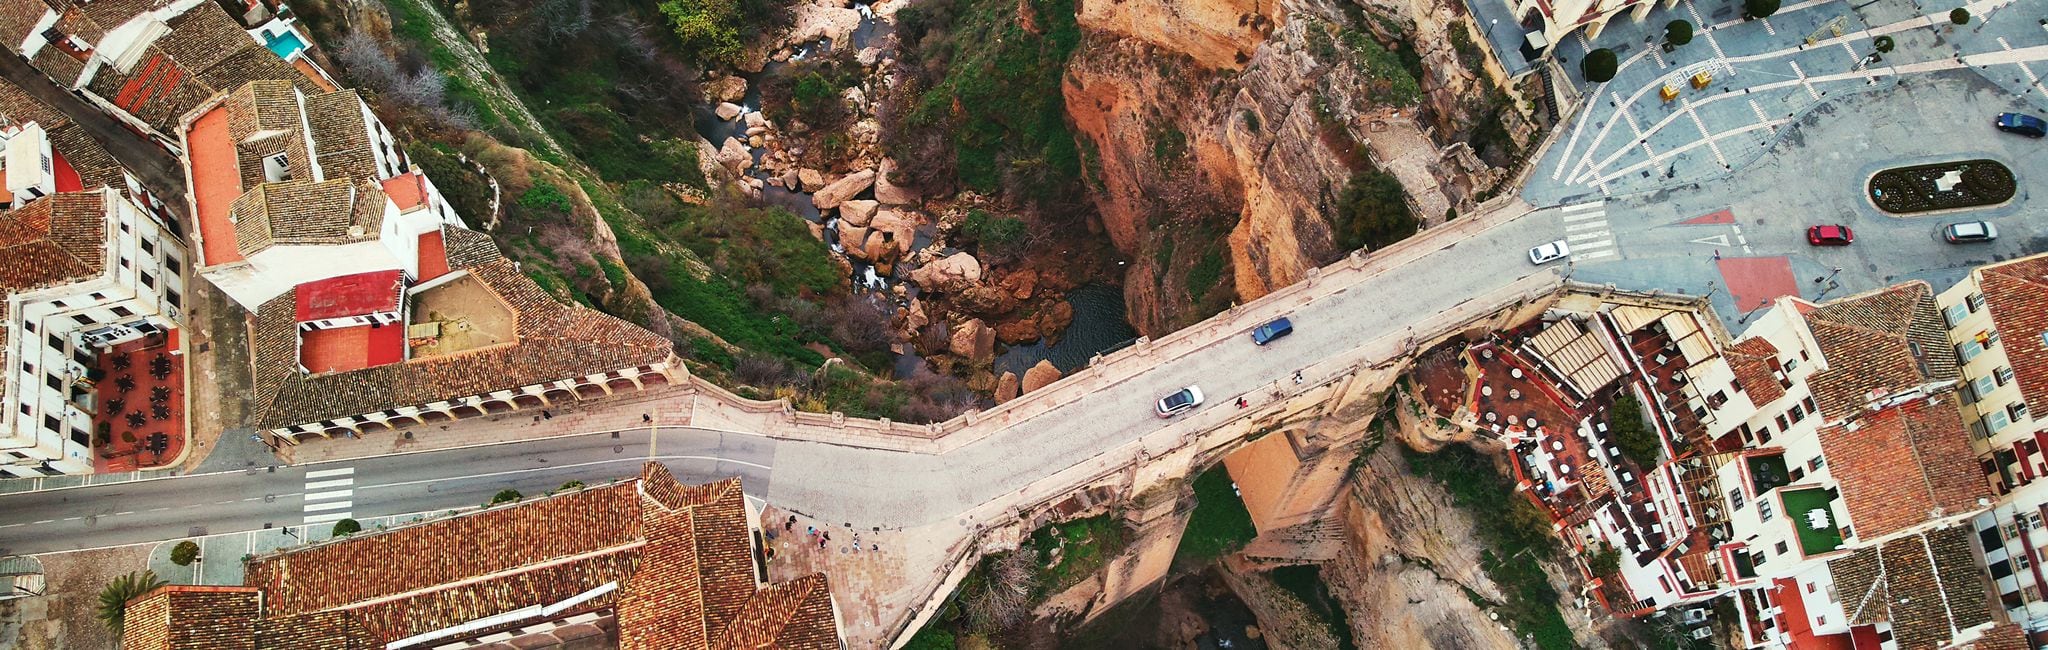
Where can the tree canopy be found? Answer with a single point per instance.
(1600, 65)
(1678, 32)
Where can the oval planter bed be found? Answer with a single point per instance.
(1942, 186)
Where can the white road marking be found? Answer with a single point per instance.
(331, 505)
(321, 485)
(321, 519)
(1582, 207)
(334, 494)
(1590, 245)
(344, 471)
(1586, 225)
(1716, 240)
(1588, 235)
(1592, 256)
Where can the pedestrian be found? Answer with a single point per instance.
(876, 547)
(646, 419)
(789, 525)
(822, 543)
(1717, 254)
(811, 530)
(1297, 376)
(1241, 403)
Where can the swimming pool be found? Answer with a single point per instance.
(285, 44)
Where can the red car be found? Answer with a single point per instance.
(1830, 236)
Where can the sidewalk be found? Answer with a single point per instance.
(890, 574)
(668, 406)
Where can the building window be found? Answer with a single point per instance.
(1968, 350)
(1791, 364)
(56, 341)
(1798, 474)
(50, 423)
(27, 410)
(1955, 315)
(28, 326)
(122, 311)
(1996, 420)
(124, 261)
(54, 382)
(1811, 406)
(1983, 387)
(1763, 511)
(1976, 301)
(172, 264)
(1990, 339)
(1763, 435)
(1796, 413)
(1977, 431)
(173, 297)
(97, 296)
(2003, 375)
(2017, 411)
(148, 280)
(1735, 499)
(80, 438)
(1780, 548)
(1782, 424)
(1816, 463)
(148, 247)
(82, 319)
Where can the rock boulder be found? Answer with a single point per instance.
(896, 229)
(734, 156)
(1039, 376)
(831, 195)
(729, 89)
(1017, 331)
(813, 180)
(728, 110)
(1007, 388)
(951, 273)
(858, 211)
(889, 192)
(975, 341)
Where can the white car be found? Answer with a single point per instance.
(1181, 401)
(1548, 253)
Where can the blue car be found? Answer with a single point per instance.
(2027, 125)
(1273, 330)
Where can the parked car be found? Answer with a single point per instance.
(1548, 253)
(1266, 333)
(2021, 123)
(1968, 232)
(1830, 235)
(1181, 401)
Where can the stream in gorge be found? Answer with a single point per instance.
(1099, 323)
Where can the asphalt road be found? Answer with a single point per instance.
(864, 487)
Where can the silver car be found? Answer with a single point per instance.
(1969, 231)
(1548, 253)
(1181, 401)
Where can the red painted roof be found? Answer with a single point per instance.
(1785, 593)
(407, 191)
(433, 256)
(350, 295)
(210, 157)
(67, 176)
(343, 349)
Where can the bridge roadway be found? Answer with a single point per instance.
(1335, 318)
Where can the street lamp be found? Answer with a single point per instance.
(1760, 305)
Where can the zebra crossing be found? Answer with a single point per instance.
(1586, 231)
(328, 493)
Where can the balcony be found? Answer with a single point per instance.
(1813, 519)
(1766, 473)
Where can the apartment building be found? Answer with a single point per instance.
(1997, 319)
(82, 271)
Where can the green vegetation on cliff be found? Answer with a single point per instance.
(982, 98)
(1515, 531)
(1220, 523)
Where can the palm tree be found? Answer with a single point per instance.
(115, 596)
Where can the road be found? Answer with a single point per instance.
(157, 169)
(1639, 240)
(866, 487)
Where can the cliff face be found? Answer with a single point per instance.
(1194, 164)
(1219, 134)
(1408, 563)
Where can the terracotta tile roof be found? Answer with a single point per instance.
(553, 341)
(95, 167)
(785, 616)
(1750, 360)
(1926, 585)
(206, 53)
(295, 212)
(662, 546)
(2016, 293)
(1903, 465)
(17, 19)
(19, 107)
(341, 135)
(182, 617)
(56, 240)
(1878, 344)
(2007, 636)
